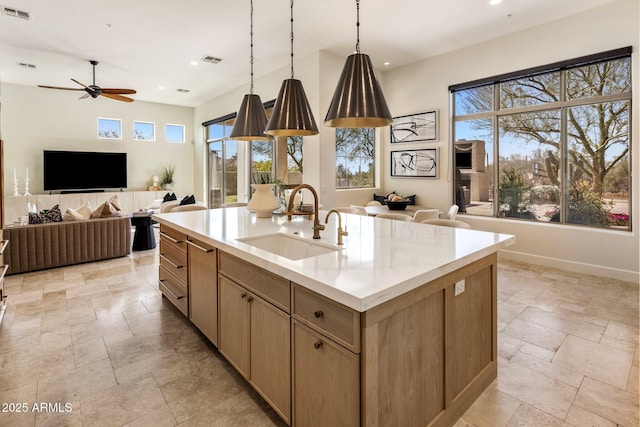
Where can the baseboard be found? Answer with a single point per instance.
(563, 264)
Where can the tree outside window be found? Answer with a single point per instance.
(355, 157)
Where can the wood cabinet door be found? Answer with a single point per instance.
(326, 381)
(203, 301)
(270, 371)
(233, 341)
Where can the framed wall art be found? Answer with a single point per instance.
(415, 163)
(415, 127)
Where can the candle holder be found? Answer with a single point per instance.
(26, 187)
(16, 193)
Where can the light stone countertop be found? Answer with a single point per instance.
(380, 259)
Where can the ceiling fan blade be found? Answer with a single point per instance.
(118, 91)
(81, 84)
(117, 97)
(86, 95)
(61, 88)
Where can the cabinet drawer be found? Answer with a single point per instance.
(173, 236)
(174, 290)
(273, 288)
(337, 321)
(174, 259)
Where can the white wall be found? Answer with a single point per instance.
(424, 85)
(36, 119)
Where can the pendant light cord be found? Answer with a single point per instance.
(357, 26)
(251, 34)
(291, 38)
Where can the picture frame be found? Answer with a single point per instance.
(421, 163)
(415, 127)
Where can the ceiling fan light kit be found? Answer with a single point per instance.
(251, 120)
(358, 101)
(94, 90)
(292, 115)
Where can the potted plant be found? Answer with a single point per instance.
(167, 177)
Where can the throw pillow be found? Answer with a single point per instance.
(188, 200)
(79, 214)
(105, 210)
(36, 218)
(115, 202)
(53, 214)
(169, 197)
(381, 199)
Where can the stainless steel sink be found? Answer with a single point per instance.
(288, 246)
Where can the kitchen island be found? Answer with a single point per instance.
(397, 327)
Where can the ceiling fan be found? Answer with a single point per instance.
(94, 91)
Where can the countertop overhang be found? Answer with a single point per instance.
(380, 258)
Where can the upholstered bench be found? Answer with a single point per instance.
(55, 244)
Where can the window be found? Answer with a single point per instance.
(559, 136)
(144, 131)
(174, 133)
(109, 128)
(355, 158)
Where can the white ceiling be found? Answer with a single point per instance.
(143, 44)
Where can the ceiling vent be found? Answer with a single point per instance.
(9, 11)
(25, 65)
(183, 90)
(211, 59)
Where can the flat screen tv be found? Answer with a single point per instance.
(81, 170)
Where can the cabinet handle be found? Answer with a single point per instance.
(250, 299)
(166, 236)
(170, 291)
(170, 262)
(3, 245)
(318, 344)
(318, 314)
(243, 295)
(199, 247)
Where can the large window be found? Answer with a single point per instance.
(547, 145)
(355, 158)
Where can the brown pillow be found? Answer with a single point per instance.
(105, 210)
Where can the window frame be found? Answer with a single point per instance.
(166, 133)
(142, 122)
(563, 105)
(119, 121)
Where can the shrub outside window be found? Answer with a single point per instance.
(560, 139)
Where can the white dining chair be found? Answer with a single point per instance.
(423, 214)
(396, 216)
(453, 211)
(361, 210)
(374, 203)
(351, 210)
(447, 223)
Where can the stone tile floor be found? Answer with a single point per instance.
(99, 339)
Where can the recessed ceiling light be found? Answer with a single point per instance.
(193, 63)
(161, 87)
(495, 2)
(387, 63)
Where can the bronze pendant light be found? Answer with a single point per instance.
(358, 101)
(251, 120)
(292, 114)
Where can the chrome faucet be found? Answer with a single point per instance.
(340, 232)
(317, 227)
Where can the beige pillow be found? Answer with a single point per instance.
(105, 210)
(79, 214)
(115, 202)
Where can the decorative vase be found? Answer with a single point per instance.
(263, 202)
